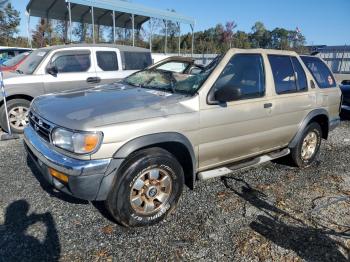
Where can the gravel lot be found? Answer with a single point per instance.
(270, 213)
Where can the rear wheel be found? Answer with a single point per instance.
(305, 152)
(147, 188)
(18, 110)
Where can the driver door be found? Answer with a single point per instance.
(75, 70)
(241, 128)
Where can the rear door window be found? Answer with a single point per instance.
(107, 60)
(299, 74)
(283, 74)
(136, 60)
(319, 71)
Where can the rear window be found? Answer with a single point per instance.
(107, 60)
(136, 60)
(283, 74)
(300, 74)
(319, 71)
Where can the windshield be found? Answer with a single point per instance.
(14, 61)
(170, 81)
(33, 60)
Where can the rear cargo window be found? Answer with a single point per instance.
(136, 60)
(107, 60)
(319, 71)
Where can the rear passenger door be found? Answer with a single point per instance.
(292, 100)
(75, 71)
(108, 65)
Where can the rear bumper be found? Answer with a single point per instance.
(87, 179)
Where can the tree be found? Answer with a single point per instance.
(154, 25)
(229, 33)
(41, 36)
(9, 22)
(242, 40)
(260, 36)
(280, 38)
(3, 3)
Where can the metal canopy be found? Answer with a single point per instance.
(113, 13)
(103, 9)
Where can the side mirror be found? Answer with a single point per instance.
(52, 70)
(228, 94)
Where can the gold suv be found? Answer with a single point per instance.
(136, 142)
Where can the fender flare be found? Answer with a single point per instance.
(305, 122)
(153, 139)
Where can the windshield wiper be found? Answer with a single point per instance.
(19, 71)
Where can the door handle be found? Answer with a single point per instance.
(268, 105)
(93, 80)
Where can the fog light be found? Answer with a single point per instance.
(60, 176)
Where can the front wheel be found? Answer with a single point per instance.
(18, 110)
(146, 189)
(305, 152)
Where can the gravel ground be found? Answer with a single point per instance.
(270, 213)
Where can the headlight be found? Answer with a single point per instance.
(76, 142)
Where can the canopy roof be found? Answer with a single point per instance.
(103, 9)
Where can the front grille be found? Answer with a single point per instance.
(41, 127)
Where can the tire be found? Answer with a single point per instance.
(137, 180)
(304, 158)
(15, 106)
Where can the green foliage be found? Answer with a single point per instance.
(9, 22)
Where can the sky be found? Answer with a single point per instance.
(320, 21)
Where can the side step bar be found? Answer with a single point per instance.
(222, 171)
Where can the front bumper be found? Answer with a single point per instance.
(87, 179)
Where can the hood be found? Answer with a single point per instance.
(106, 105)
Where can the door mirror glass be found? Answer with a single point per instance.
(52, 70)
(228, 94)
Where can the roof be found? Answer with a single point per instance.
(14, 48)
(80, 12)
(122, 48)
(264, 51)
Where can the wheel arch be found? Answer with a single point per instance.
(175, 143)
(319, 116)
(17, 96)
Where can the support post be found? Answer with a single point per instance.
(93, 24)
(150, 34)
(113, 27)
(179, 27)
(166, 36)
(192, 48)
(70, 22)
(133, 29)
(28, 30)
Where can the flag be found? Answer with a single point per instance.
(297, 32)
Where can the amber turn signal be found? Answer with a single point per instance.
(60, 176)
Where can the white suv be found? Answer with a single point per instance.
(68, 67)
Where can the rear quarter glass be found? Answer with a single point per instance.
(319, 70)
